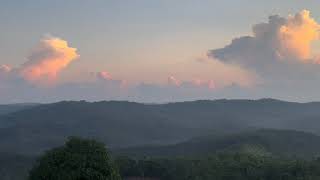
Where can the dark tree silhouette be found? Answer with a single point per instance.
(78, 159)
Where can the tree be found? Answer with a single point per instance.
(78, 159)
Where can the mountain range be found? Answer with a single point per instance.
(34, 129)
(265, 127)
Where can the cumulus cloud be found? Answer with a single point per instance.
(275, 61)
(204, 83)
(278, 40)
(280, 52)
(104, 75)
(47, 60)
(5, 68)
(191, 80)
(297, 34)
(173, 81)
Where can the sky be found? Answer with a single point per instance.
(159, 50)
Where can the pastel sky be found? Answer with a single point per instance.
(159, 50)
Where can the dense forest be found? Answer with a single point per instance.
(88, 159)
(237, 166)
(222, 139)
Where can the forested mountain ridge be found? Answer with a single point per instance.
(125, 124)
(264, 127)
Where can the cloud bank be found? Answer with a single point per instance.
(277, 61)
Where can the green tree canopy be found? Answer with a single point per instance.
(78, 159)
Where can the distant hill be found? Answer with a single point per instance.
(265, 142)
(10, 108)
(125, 124)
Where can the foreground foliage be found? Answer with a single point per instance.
(81, 159)
(78, 159)
(221, 167)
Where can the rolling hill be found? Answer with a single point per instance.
(263, 142)
(10, 108)
(125, 124)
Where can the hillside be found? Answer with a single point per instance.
(10, 108)
(265, 142)
(125, 124)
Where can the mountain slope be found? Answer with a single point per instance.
(10, 108)
(116, 123)
(124, 124)
(282, 143)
